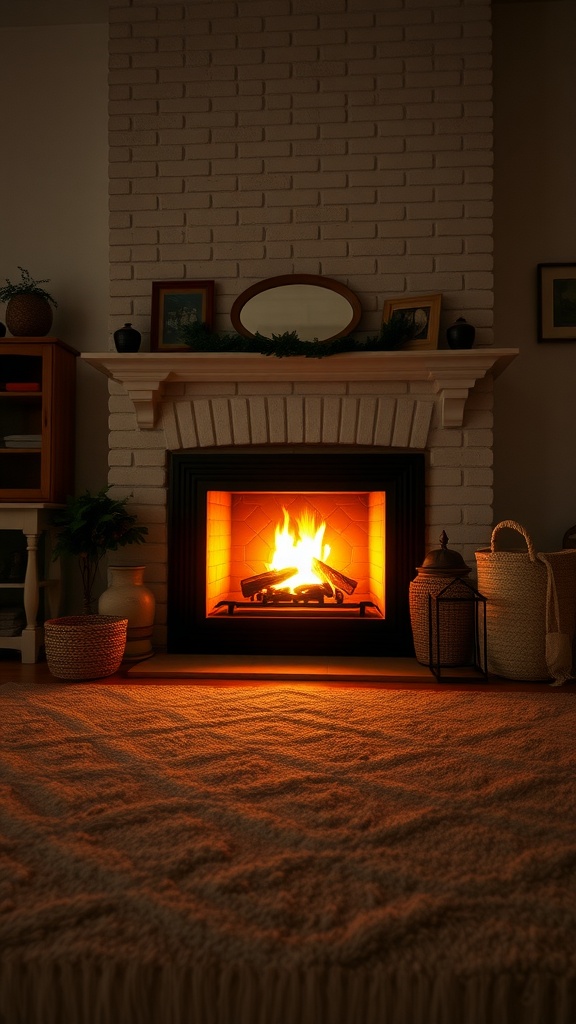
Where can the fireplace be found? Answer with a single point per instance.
(226, 510)
(380, 406)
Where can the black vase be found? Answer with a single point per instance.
(127, 339)
(460, 334)
(2, 330)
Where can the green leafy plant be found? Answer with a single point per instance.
(392, 335)
(27, 286)
(91, 525)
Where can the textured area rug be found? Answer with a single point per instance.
(286, 854)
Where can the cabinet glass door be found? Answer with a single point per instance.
(21, 403)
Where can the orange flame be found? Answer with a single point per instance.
(298, 547)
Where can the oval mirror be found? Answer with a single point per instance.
(316, 308)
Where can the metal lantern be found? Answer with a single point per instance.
(457, 624)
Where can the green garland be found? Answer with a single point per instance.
(201, 338)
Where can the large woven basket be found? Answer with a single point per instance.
(531, 600)
(85, 646)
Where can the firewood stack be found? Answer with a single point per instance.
(265, 586)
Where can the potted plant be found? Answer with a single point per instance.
(28, 312)
(90, 646)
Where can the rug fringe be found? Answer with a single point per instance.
(114, 993)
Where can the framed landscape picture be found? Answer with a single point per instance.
(421, 314)
(175, 305)
(557, 302)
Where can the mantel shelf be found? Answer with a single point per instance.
(453, 372)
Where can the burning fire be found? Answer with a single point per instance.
(298, 547)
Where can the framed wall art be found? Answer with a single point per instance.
(557, 302)
(175, 304)
(421, 314)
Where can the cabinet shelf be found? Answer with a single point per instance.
(19, 585)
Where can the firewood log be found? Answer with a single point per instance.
(252, 584)
(337, 579)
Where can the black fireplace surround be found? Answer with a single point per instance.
(193, 474)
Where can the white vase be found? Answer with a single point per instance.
(128, 596)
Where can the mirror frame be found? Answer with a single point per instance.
(286, 279)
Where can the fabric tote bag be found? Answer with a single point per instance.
(530, 609)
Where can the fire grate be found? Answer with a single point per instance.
(298, 602)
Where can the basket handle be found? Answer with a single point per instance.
(512, 525)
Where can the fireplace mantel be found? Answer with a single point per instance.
(453, 373)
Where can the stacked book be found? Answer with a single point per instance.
(23, 441)
(12, 621)
(23, 386)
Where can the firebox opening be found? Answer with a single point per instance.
(224, 511)
(280, 553)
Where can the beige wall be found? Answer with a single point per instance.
(54, 197)
(535, 218)
(53, 203)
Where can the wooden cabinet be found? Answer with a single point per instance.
(37, 443)
(37, 420)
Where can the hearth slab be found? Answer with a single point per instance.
(249, 666)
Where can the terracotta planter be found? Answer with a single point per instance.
(28, 316)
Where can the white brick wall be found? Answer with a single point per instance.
(349, 138)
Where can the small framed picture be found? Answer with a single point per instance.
(421, 314)
(557, 302)
(175, 305)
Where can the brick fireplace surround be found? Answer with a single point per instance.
(347, 139)
(439, 402)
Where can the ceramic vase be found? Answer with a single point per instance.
(127, 595)
(127, 339)
(460, 334)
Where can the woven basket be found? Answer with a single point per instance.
(530, 600)
(455, 644)
(85, 646)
